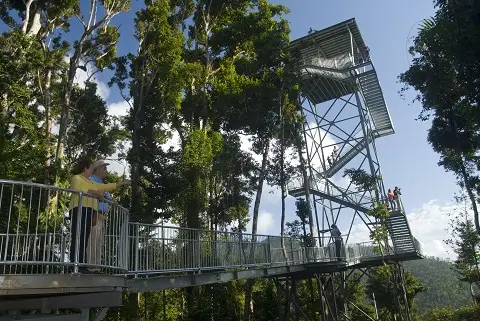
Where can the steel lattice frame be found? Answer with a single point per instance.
(328, 121)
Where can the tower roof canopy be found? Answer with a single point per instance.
(330, 42)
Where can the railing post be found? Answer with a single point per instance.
(291, 250)
(126, 239)
(269, 254)
(137, 249)
(78, 232)
(199, 264)
(240, 248)
(163, 248)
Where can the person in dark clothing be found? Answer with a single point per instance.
(396, 196)
(337, 237)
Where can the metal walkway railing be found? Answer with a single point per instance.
(36, 238)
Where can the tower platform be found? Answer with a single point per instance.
(335, 62)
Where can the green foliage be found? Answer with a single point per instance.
(266, 302)
(92, 132)
(204, 71)
(443, 71)
(200, 150)
(383, 282)
(441, 281)
(466, 244)
(20, 60)
(362, 179)
(444, 314)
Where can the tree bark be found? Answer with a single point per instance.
(288, 300)
(48, 124)
(282, 179)
(295, 300)
(256, 208)
(66, 101)
(258, 196)
(26, 19)
(36, 24)
(471, 196)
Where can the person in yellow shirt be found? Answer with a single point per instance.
(83, 208)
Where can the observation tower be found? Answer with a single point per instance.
(345, 113)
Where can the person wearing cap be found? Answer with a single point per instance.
(95, 242)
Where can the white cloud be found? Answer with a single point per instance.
(174, 139)
(119, 108)
(266, 224)
(429, 225)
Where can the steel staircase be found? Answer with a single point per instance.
(345, 158)
(375, 102)
(400, 233)
(347, 198)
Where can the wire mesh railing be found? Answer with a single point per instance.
(41, 232)
(157, 249)
(167, 249)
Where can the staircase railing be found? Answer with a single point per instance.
(355, 197)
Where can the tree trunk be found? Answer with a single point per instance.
(258, 196)
(136, 131)
(471, 196)
(62, 131)
(4, 106)
(282, 184)
(66, 102)
(288, 301)
(303, 169)
(48, 124)
(36, 24)
(256, 208)
(132, 307)
(26, 18)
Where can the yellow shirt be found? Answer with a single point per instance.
(83, 184)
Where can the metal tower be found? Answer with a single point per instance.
(345, 112)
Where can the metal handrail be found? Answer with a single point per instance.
(36, 230)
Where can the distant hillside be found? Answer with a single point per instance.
(444, 289)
